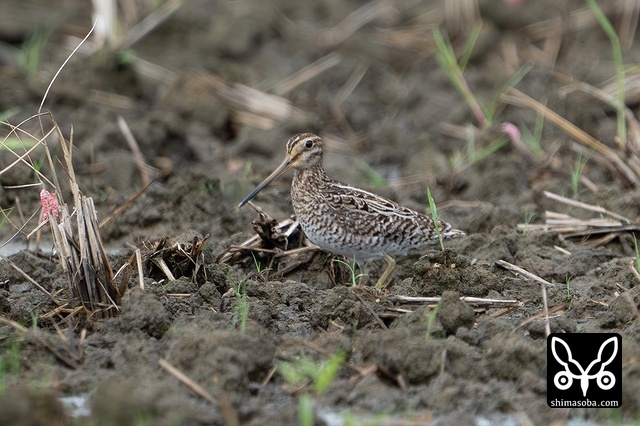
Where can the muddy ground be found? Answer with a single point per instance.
(193, 94)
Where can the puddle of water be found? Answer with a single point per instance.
(12, 247)
(77, 405)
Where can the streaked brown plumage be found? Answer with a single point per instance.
(348, 221)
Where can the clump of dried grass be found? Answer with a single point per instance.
(74, 228)
(178, 257)
(607, 225)
(74, 224)
(274, 241)
(80, 249)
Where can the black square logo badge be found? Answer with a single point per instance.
(584, 370)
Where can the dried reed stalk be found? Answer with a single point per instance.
(187, 381)
(256, 107)
(306, 73)
(79, 245)
(612, 225)
(476, 302)
(331, 37)
(543, 286)
(77, 241)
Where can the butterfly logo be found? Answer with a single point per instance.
(564, 379)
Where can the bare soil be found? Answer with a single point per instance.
(394, 125)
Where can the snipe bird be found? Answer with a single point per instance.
(348, 221)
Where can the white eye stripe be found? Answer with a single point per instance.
(308, 139)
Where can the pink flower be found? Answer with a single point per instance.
(512, 131)
(49, 206)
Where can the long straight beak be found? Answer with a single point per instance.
(282, 169)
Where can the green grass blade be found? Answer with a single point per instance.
(447, 59)
(435, 217)
(510, 84)
(328, 373)
(616, 50)
(468, 47)
(305, 410)
(635, 246)
(7, 114)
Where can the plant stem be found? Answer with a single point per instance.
(447, 59)
(434, 216)
(617, 59)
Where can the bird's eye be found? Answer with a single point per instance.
(309, 143)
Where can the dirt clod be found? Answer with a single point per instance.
(453, 313)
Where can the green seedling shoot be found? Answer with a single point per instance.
(435, 217)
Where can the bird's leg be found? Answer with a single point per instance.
(391, 264)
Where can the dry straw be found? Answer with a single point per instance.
(74, 225)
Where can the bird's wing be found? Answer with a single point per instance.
(340, 196)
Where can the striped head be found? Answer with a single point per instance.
(304, 151)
